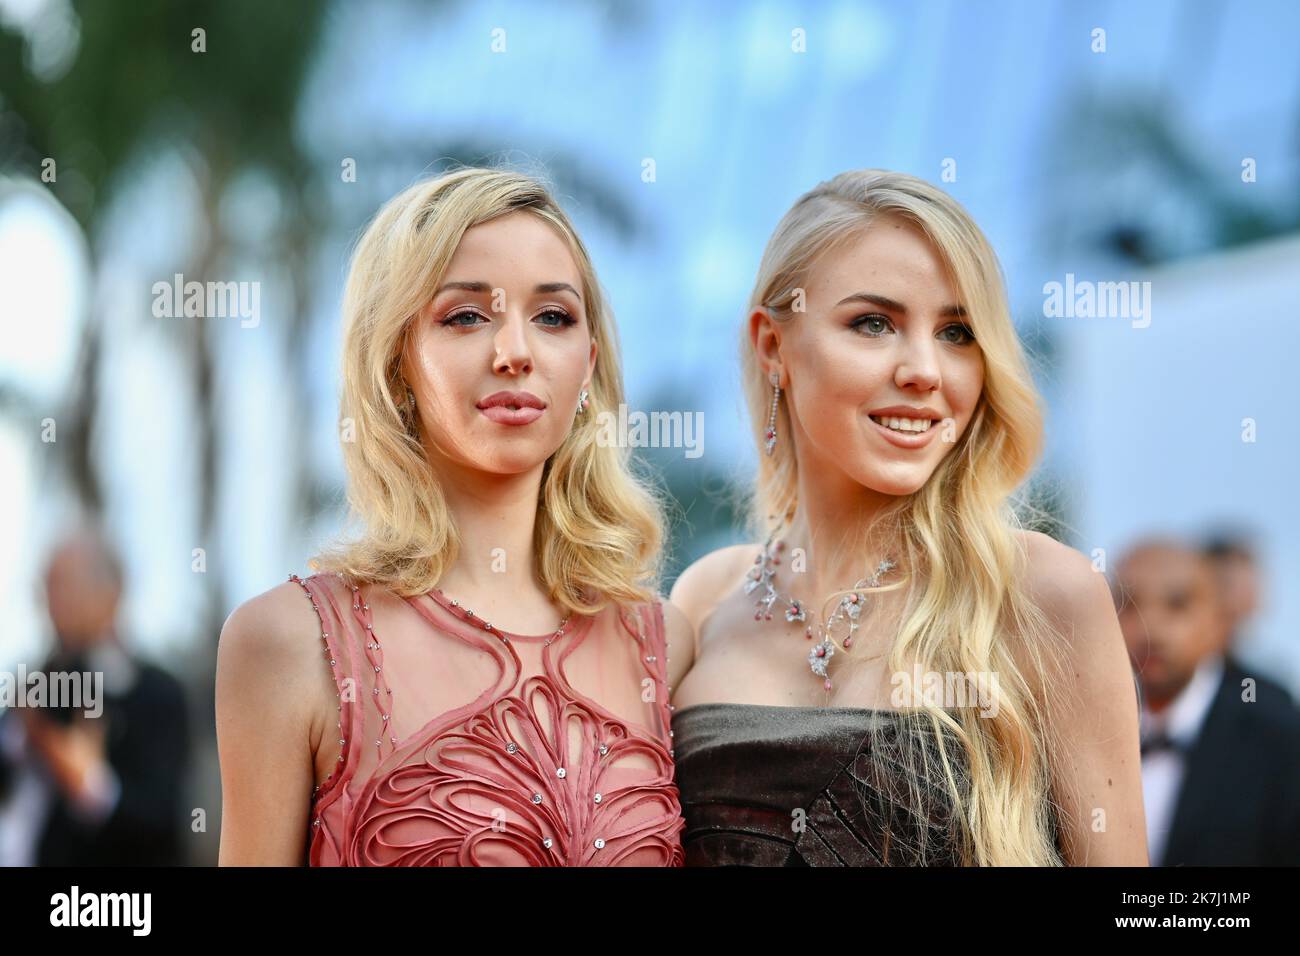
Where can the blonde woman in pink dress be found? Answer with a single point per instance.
(481, 675)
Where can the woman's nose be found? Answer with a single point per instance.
(512, 352)
(919, 367)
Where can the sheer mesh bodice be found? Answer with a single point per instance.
(464, 747)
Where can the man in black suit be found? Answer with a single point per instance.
(1220, 763)
(96, 785)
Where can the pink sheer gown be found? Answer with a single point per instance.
(462, 746)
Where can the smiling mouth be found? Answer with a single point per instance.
(906, 426)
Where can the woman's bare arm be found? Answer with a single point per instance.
(1097, 765)
(269, 673)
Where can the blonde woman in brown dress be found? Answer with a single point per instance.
(895, 672)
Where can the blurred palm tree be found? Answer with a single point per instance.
(136, 86)
(1145, 192)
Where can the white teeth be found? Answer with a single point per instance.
(915, 425)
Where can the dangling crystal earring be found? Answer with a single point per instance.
(410, 411)
(775, 379)
(582, 401)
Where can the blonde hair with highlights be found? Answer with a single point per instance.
(956, 539)
(599, 526)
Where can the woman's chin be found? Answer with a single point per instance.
(506, 462)
(896, 485)
(511, 468)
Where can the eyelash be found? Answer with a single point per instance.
(862, 320)
(566, 319)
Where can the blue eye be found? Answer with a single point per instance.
(965, 338)
(861, 324)
(455, 317)
(564, 319)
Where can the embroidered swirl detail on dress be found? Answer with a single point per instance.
(482, 794)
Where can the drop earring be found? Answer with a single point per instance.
(583, 401)
(775, 379)
(410, 410)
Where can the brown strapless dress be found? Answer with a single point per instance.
(797, 786)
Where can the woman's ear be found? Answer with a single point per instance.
(765, 336)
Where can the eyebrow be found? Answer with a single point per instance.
(953, 311)
(484, 287)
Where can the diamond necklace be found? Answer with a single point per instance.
(849, 609)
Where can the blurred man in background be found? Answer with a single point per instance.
(1220, 765)
(105, 789)
(1236, 569)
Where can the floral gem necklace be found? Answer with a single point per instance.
(849, 609)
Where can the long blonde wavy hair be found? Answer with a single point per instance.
(599, 526)
(957, 537)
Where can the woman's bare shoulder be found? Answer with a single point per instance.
(1075, 597)
(700, 588)
(276, 632)
(1061, 580)
(273, 621)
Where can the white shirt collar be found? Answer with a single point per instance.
(110, 658)
(1183, 717)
